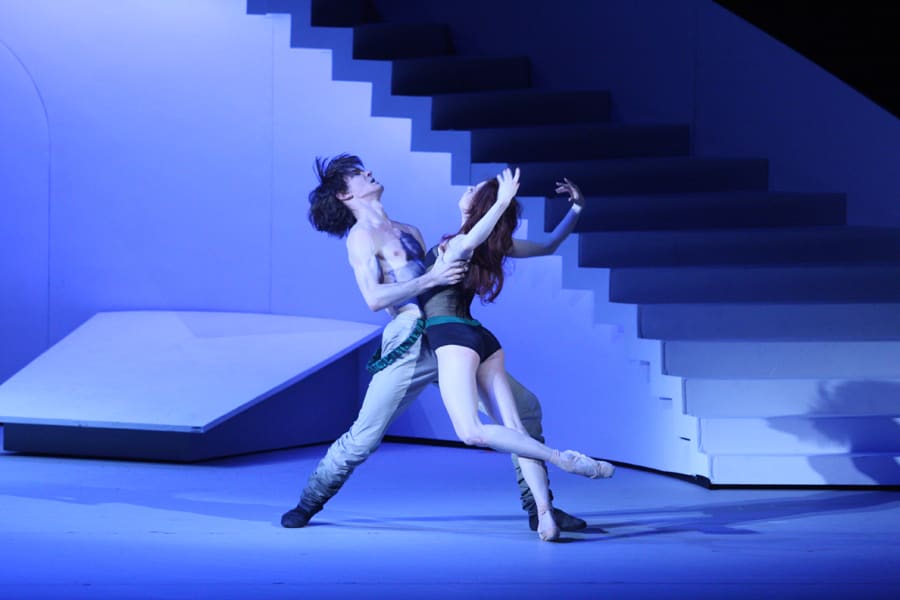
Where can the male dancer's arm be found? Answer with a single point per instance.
(370, 279)
(528, 248)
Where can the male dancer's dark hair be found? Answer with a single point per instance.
(326, 211)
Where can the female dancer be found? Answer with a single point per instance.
(469, 356)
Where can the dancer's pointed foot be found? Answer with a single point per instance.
(547, 528)
(578, 463)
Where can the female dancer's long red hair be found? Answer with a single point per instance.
(485, 274)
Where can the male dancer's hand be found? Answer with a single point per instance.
(447, 272)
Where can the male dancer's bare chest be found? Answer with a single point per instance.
(400, 257)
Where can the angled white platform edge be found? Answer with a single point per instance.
(188, 385)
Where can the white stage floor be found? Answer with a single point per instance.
(425, 522)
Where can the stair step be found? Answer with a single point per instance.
(514, 108)
(774, 322)
(578, 141)
(267, 7)
(818, 284)
(765, 398)
(704, 210)
(640, 175)
(448, 74)
(782, 360)
(342, 13)
(757, 246)
(391, 41)
(801, 435)
(827, 469)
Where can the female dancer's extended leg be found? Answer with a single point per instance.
(493, 382)
(460, 375)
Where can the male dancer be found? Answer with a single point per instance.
(387, 261)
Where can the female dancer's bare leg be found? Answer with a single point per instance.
(459, 379)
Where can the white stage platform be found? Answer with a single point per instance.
(188, 385)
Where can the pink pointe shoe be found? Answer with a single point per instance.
(578, 463)
(547, 530)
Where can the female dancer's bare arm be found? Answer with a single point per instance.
(528, 248)
(462, 246)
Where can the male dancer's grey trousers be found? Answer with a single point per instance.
(389, 393)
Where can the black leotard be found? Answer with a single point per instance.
(448, 320)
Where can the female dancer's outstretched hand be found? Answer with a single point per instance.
(568, 187)
(509, 185)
